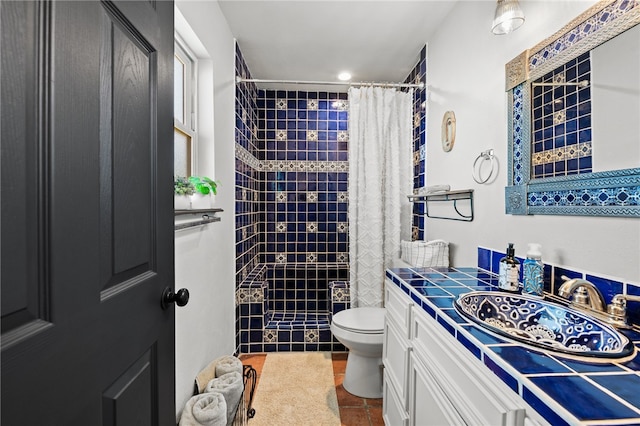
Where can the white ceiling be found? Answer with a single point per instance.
(315, 40)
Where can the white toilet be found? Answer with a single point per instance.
(361, 330)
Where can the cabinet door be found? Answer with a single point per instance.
(429, 404)
(398, 307)
(393, 410)
(395, 357)
(479, 396)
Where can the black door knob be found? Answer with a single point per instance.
(181, 297)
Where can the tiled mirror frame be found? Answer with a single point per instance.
(606, 193)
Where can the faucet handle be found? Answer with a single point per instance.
(581, 296)
(618, 306)
(617, 311)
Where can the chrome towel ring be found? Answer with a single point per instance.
(476, 172)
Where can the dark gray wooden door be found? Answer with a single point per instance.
(87, 216)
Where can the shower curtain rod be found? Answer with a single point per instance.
(331, 83)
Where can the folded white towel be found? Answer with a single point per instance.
(228, 364)
(206, 409)
(231, 386)
(425, 190)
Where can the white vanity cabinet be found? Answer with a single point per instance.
(432, 379)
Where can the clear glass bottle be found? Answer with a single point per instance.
(509, 271)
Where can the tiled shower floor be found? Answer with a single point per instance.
(354, 411)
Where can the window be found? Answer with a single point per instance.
(184, 114)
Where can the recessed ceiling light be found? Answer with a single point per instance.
(344, 76)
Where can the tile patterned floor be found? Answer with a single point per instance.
(354, 411)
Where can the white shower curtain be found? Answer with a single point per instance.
(380, 178)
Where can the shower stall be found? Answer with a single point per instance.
(297, 195)
(292, 226)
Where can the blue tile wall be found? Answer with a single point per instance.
(489, 260)
(304, 153)
(247, 192)
(291, 215)
(417, 75)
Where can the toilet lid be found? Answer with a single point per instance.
(361, 320)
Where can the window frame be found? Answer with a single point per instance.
(189, 127)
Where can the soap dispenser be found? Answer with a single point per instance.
(532, 271)
(509, 270)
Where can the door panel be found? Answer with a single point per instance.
(127, 401)
(23, 298)
(128, 66)
(87, 220)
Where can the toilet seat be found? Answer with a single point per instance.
(365, 320)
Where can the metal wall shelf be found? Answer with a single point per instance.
(446, 196)
(207, 216)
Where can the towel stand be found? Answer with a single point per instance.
(244, 410)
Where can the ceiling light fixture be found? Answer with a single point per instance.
(509, 17)
(344, 76)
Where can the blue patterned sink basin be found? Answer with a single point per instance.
(544, 325)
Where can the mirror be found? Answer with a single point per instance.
(573, 127)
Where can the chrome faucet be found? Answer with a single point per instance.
(587, 297)
(586, 294)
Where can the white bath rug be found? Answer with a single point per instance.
(296, 388)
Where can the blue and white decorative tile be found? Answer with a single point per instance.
(312, 135)
(312, 257)
(312, 336)
(281, 104)
(312, 227)
(340, 105)
(343, 136)
(342, 227)
(243, 295)
(342, 257)
(281, 227)
(343, 197)
(340, 295)
(312, 104)
(270, 336)
(281, 258)
(312, 197)
(281, 197)
(423, 150)
(281, 135)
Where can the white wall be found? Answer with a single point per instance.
(466, 74)
(205, 256)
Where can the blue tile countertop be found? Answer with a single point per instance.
(563, 391)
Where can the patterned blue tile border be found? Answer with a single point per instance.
(592, 24)
(519, 168)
